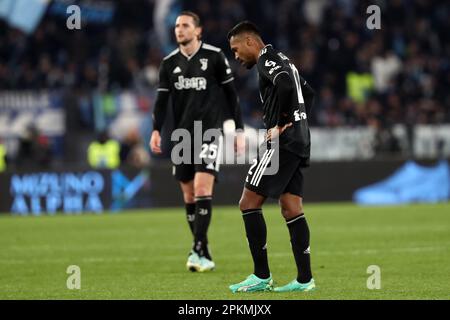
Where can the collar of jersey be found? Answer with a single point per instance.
(261, 51)
(192, 55)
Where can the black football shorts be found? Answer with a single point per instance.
(206, 160)
(274, 172)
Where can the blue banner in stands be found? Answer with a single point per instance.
(23, 14)
(412, 183)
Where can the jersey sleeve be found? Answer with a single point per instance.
(223, 70)
(164, 84)
(270, 66)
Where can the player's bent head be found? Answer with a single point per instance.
(245, 42)
(244, 27)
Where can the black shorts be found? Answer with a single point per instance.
(206, 160)
(264, 178)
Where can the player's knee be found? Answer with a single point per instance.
(202, 191)
(188, 197)
(287, 214)
(244, 204)
(290, 212)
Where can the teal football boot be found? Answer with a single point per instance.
(206, 265)
(193, 263)
(295, 286)
(253, 284)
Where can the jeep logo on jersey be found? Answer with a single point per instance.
(204, 63)
(197, 83)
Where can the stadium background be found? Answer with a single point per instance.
(382, 108)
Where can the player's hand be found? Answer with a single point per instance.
(155, 142)
(275, 132)
(239, 143)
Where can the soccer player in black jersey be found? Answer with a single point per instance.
(287, 99)
(193, 76)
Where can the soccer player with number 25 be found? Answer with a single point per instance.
(193, 76)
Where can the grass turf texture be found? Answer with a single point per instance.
(142, 254)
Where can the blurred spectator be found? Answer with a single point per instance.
(384, 69)
(386, 144)
(359, 86)
(34, 149)
(2, 156)
(104, 153)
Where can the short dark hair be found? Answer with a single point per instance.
(244, 26)
(193, 15)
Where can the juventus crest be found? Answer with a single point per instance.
(204, 63)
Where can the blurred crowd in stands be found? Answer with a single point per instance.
(398, 74)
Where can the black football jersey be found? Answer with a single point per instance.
(194, 85)
(271, 64)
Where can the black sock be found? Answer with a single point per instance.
(205, 249)
(298, 228)
(190, 216)
(255, 228)
(202, 220)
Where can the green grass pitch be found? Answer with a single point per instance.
(142, 254)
